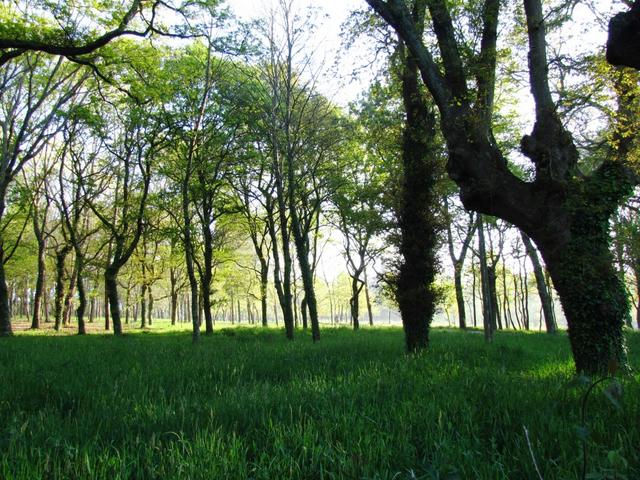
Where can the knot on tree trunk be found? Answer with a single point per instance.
(623, 43)
(551, 149)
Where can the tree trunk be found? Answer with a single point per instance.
(40, 283)
(593, 298)
(82, 297)
(68, 299)
(111, 288)
(368, 299)
(92, 309)
(264, 283)
(457, 280)
(105, 307)
(303, 311)
(205, 289)
(415, 291)
(636, 274)
(143, 305)
(354, 302)
(563, 211)
(491, 270)
(5, 311)
(174, 307)
(150, 307)
(282, 282)
(623, 42)
(305, 271)
(543, 292)
(61, 256)
(487, 304)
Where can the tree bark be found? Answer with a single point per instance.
(354, 301)
(40, 282)
(415, 292)
(488, 318)
(543, 292)
(5, 310)
(368, 299)
(111, 288)
(61, 256)
(82, 296)
(623, 43)
(143, 305)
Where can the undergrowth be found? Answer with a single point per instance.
(246, 403)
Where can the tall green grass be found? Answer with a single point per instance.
(246, 403)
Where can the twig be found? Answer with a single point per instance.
(533, 457)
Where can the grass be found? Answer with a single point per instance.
(246, 403)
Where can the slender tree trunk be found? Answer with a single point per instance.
(61, 256)
(543, 291)
(264, 283)
(305, 270)
(40, 283)
(354, 302)
(206, 304)
(487, 304)
(491, 270)
(5, 310)
(457, 280)
(174, 308)
(143, 305)
(473, 291)
(636, 274)
(71, 291)
(282, 282)
(92, 309)
(150, 305)
(82, 296)
(105, 308)
(111, 287)
(368, 299)
(303, 312)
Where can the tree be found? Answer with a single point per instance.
(543, 290)
(623, 44)
(300, 127)
(358, 212)
(415, 289)
(565, 212)
(57, 29)
(133, 141)
(33, 92)
(466, 238)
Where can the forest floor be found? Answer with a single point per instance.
(246, 403)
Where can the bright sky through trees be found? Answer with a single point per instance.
(331, 14)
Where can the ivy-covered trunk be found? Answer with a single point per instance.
(583, 271)
(594, 302)
(415, 291)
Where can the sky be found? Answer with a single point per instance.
(339, 85)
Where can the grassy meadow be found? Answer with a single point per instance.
(247, 404)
